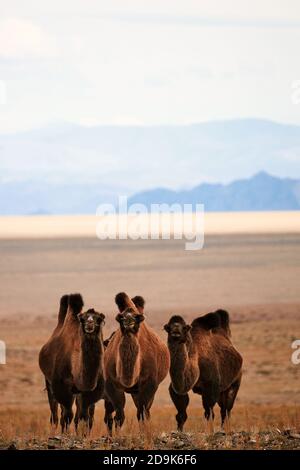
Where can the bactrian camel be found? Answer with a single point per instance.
(72, 362)
(136, 361)
(203, 360)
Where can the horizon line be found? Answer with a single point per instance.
(62, 123)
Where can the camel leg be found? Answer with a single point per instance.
(210, 397)
(181, 403)
(227, 399)
(86, 405)
(91, 415)
(53, 405)
(143, 400)
(82, 413)
(108, 419)
(65, 397)
(117, 399)
(66, 414)
(77, 414)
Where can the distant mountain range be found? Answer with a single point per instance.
(72, 169)
(261, 192)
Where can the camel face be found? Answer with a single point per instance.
(177, 329)
(129, 321)
(91, 322)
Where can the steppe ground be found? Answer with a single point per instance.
(255, 277)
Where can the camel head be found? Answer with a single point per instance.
(177, 329)
(129, 321)
(91, 322)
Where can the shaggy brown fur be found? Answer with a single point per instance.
(135, 361)
(72, 362)
(204, 360)
(139, 302)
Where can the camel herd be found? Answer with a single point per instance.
(79, 366)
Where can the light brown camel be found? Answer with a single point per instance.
(72, 362)
(135, 361)
(203, 360)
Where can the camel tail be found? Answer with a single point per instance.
(75, 303)
(63, 308)
(224, 321)
(123, 301)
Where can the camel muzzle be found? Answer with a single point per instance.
(89, 326)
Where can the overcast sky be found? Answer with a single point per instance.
(147, 61)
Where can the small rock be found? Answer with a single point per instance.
(252, 441)
(219, 434)
(12, 446)
(179, 444)
(286, 432)
(51, 446)
(294, 436)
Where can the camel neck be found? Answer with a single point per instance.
(90, 361)
(128, 360)
(184, 369)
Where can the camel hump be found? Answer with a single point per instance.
(139, 302)
(75, 303)
(63, 308)
(123, 301)
(207, 322)
(210, 321)
(224, 320)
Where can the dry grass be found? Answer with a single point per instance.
(265, 426)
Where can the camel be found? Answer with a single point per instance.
(139, 303)
(72, 363)
(135, 361)
(203, 360)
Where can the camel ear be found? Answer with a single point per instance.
(119, 317)
(139, 318)
(167, 327)
(80, 316)
(102, 316)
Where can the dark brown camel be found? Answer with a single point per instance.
(204, 360)
(139, 303)
(135, 361)
(72, 362)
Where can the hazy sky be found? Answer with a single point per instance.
(147, 61)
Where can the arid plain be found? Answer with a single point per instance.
(255, 277)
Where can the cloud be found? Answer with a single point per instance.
(21, 39)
